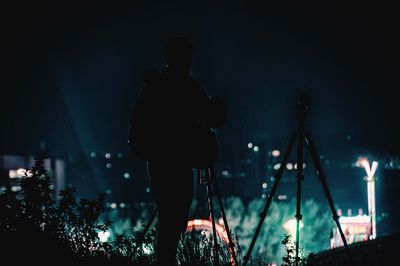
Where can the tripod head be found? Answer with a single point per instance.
(301, 108)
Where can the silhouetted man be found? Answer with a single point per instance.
(167, 117)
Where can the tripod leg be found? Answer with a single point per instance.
(322, 178)
(299, 179)
(211, 208)
(148, 225)
(221, 206)
(278, 176)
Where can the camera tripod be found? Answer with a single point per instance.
(302, 137)
(208, 177)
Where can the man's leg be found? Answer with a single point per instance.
(173, 191)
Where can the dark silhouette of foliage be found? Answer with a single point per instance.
(290, 257)
(31, 215)
(68, 229)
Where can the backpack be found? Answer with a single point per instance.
(142, 121)
(197, 146)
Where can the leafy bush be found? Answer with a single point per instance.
(36, 229)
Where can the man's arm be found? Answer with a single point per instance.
(212, 112)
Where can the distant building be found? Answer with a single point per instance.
(355, 228)
(14, 167)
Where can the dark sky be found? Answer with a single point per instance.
(73, 71)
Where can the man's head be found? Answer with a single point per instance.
(178, 53)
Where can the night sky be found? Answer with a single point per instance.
(72, 72)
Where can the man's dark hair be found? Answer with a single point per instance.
(178, 52)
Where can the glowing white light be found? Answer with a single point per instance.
(295, 166)
(282, 197)
(225, 173)
(108, 165)
(276, 153)
(197, 222)
(12, 174)
(15, 188)
(21, 172)
(250, 145)
(146, 249)
(264, 185)
(289, 166)
(93, 154)
(113, 205)
(127, 175)
(122, 205)
(256, 148)
(108, 155)
(370, 170)
(103, 236)
(290, 226)
(277, 166)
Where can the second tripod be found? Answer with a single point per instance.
(302, 138)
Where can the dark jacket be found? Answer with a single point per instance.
(172, 118)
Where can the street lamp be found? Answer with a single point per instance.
(370, 179)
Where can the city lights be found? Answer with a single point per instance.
(282, 197)
(250, 145)
(127, 175)
(277, 166)
(146, 249)
(290, 226)
(356, 228)
(226, 173)
(256, 148)
(19, 173)
(370, 178)
(103, 236)
(276, 153)
(295, 166)
(16, 188)
(108, 155)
